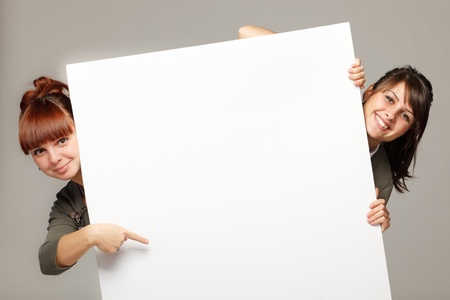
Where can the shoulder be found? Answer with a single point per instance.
(71, 194)
(69, 199)
(380, 160)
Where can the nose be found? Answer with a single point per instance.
(389, 115)
(54, 155)
(392, 113)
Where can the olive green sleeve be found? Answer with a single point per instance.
(60, 224)
(64, 219)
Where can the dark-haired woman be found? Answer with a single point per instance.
(396, 110)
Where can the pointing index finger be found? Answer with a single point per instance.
(136, 237)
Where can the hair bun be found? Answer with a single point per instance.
(43, 86)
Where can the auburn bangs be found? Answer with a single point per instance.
(43, 122)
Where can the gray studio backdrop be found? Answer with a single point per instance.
(40, 38)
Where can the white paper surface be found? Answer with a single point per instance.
(245, 163)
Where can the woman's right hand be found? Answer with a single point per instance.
(107, 237)
(110, 237)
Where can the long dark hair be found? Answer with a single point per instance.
(401, 152)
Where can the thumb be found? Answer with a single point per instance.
(357, 62)
(377, 192)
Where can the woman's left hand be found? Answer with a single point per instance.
(379, 214)
(356, 73)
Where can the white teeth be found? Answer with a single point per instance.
(380, 121)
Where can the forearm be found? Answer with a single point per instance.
(73, 246)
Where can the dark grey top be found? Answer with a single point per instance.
(68, 214)
(382, 173)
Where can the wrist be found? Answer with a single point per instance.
(90, 235)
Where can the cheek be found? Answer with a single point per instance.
(366, 111)
(73, 145)
(403, 130)
(39, 162)
(74, 153)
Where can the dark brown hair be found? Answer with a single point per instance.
(46, 114)
(401, 152)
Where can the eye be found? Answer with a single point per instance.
(38, 152)
(405, 116)
(62, 141)
(389, 99)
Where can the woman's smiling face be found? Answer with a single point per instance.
(388, 114)
(60, 158)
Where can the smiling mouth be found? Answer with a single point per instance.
(381, 122)
(61, 169)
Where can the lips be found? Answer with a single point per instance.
(381, 123)
(62, 169)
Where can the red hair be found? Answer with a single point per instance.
(46, 114)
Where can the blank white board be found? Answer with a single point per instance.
(245, 163)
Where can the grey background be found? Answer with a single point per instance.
(41, 37)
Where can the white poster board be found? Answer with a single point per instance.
(245, 163)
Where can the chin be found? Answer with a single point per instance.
(65, 177)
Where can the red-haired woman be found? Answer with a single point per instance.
(47, 132)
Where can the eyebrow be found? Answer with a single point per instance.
(399, 101)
